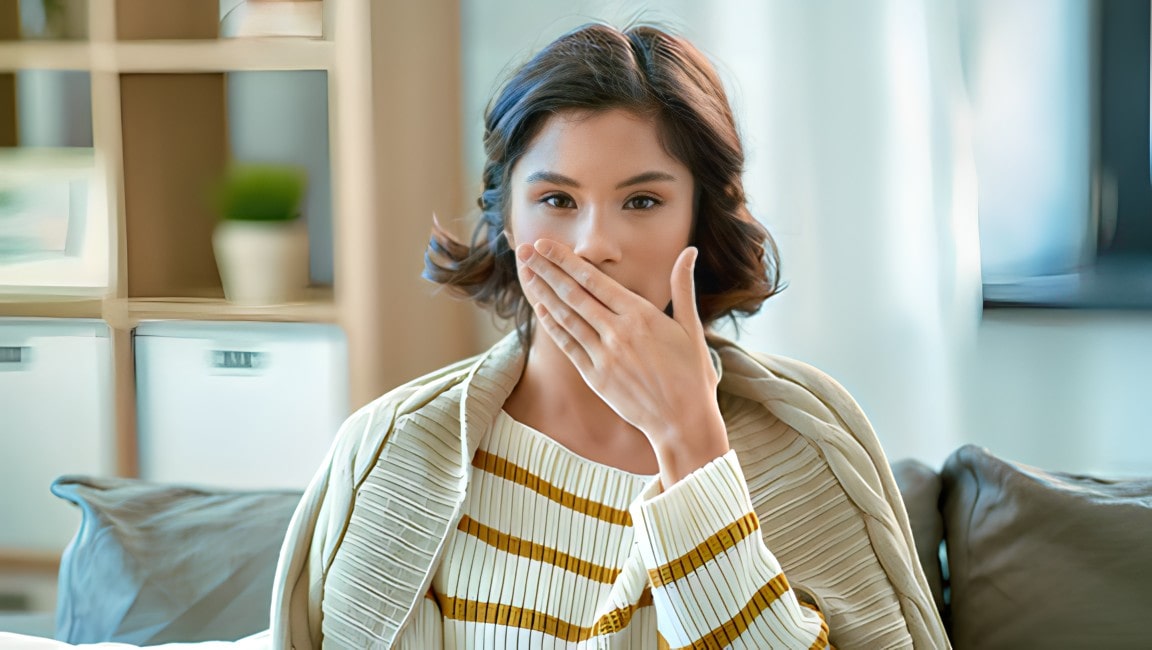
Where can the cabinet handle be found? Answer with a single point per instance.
(238, 360)
(13, 355)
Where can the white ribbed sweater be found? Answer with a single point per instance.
(369, 535)
(556, 551)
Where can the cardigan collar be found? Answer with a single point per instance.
(485, 389)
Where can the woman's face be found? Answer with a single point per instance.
(602, 184)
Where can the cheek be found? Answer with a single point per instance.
(523, 230)
(519, 228)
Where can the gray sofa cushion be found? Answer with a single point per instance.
(1045, 560)
(920, 490)
(154, 563)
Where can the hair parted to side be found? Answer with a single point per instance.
(650, 72)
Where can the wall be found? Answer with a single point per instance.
(1066, 390)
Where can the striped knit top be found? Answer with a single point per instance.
(369, 537)
(556, 551)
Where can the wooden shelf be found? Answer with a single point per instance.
(45, 308)
(217, 55)
(318, 307)
(224, 55)
(48, 55)
(24, 560)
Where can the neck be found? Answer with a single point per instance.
(553, 398)
(552, 390)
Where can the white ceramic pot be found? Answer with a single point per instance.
(262, 262)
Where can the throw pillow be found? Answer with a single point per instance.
(157, 563)
(920, 489)
(1045, 560)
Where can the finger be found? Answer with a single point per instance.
(567, 289)
(544, 300)
(604, 289)
(564, 340)
(684, 290)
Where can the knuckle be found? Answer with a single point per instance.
(615, 339)
(631, 323)
(564, 291)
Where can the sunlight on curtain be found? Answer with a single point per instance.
(1028, 66)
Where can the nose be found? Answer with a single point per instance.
(595, 239)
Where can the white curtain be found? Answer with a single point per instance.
(860, 162)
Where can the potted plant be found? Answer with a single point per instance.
(261, 242)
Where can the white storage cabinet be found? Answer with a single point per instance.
(242, 405)
(55, 418)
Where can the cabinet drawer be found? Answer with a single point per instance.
(55, 418)
(251, 405)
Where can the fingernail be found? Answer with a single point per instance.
(545, 247)
(524, 252)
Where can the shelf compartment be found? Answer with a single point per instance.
(171, 19)
(180, 132)
(54, 232)
(175, 148)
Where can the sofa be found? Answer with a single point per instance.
(1016, 557)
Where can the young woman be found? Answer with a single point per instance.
(611, 474)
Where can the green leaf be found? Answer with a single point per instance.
(261, 192)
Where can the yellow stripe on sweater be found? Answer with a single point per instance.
(507, 470)
(821, 642)
(538, 552)
(727, 633)
(472, 611)
(729, 536)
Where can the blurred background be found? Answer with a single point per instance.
(959, 190)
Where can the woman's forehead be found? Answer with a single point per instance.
(601, 144)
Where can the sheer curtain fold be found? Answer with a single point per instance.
(860, 162)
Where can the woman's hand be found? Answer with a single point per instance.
(654, 371)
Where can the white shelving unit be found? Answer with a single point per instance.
(393, 105)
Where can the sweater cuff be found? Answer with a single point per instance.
(672, 523)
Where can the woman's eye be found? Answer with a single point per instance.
(559, 201)
(641, 203)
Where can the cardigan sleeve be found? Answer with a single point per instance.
(714, 582)
(426, 629)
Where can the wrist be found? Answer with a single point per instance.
(689, 445)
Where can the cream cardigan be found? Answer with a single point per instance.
(363, 546)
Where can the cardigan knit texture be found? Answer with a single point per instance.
(365, 542)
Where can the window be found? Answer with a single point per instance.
(1066, 190)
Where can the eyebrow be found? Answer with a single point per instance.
(561, 179)
(647, 177)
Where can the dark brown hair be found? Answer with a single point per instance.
(650, 72)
